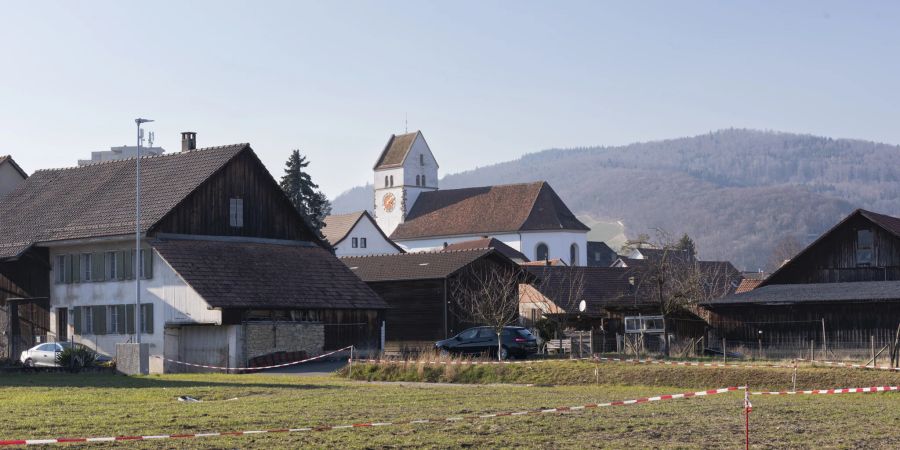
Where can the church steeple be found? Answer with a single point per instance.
(405, 169)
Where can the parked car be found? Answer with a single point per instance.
(516, 342)
(44, 355)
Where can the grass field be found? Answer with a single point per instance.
(53, 405)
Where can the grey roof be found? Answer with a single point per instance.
(98, 199)
(414, 266)
(787, 294)
(235, 273)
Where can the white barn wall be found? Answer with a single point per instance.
(376, 244)
(174, 302)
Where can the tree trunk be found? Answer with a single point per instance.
(499, 345)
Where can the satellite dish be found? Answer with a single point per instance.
(582, 306)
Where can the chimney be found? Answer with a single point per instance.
(188, 141)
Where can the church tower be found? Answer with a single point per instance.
(405, 169)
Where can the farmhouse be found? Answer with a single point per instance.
(357, 234)
(409, 207)
(846, 283)
(418, 287)
(229, 270)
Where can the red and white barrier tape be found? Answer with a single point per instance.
(855, 366)
(454, 363)
(293, 363)
(561, 409)
(694, 364)
(864, 390)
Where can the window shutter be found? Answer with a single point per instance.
(147, 318)
(99, 319)
(120, 265)
(123, 319)
(77, 319)
(129, 319)
(128, 257)
(67, 268)
(76, 268)
(98, 266)
(148, 263)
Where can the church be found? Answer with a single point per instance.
(418, 216)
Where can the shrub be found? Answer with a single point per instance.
(76, 357)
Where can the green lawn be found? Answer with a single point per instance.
(52, 405)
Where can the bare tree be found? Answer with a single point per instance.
(563, 287)
(641, 241)
(678, 282)
(784, 249)
(488, 294)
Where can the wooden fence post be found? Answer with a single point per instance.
(724, 353)
(872, 339)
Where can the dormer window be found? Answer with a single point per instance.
(865, 247)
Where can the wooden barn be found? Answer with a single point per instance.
(839, 293)
(418, 289)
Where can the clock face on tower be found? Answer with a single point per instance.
(388, 202)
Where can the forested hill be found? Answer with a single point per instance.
(735, 191)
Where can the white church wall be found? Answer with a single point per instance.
(376, 244)
(558, 244)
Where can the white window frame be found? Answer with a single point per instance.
(87, 320)
(60, 276)
(111, 269)
(236, 213)
(112, 320)
(85, 260)
(354, 242)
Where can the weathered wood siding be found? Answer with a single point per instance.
(833, 259)
(417, 310)
(267, 212)
(21, 321)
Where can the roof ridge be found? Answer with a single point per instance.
(527, 183)
(429, 252)
(143, 157)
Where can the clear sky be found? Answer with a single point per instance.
(486, 81)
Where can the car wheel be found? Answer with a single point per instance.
(29, 363)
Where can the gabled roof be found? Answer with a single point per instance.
(7, 159)
(417, 266)
(485, 210)
(338, 226)
(265, 274)
(97, 200)
(603, 288)
(747, 285)
(396, 150)
(888, 223)
(790, 294)
(488, 242)
(545, 262)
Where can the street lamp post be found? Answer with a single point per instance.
(137, 231)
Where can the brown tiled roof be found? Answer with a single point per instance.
(98, 199)
(604, 288)
(234, 273)
(338, 225)
(489, 209)
(415, 266)
(747, 285)
(487, 242)
(545, 262)
(395, 151)
(10, 160)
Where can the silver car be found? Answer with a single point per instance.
(44, 355)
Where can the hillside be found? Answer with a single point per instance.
(734, 191)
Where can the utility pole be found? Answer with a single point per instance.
(137, 231)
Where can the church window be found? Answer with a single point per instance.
(423, 180)
(392, 180)
(542, 252)
(573, 255)
(385, 181)
(421, 159)
(417, 180)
